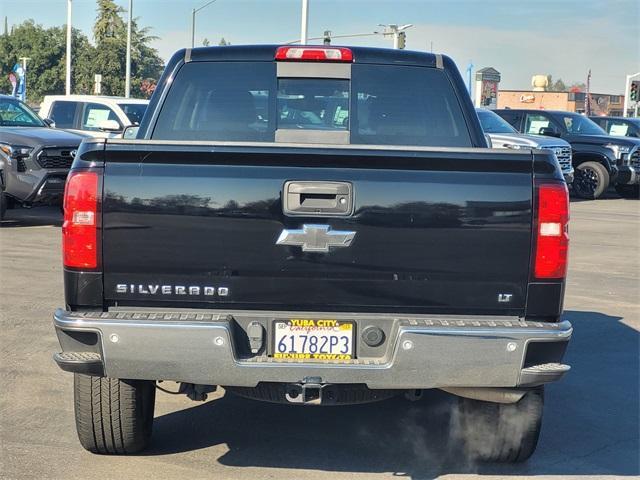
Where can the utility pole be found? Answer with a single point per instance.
(127, 80)
(68, 76)
(193, 21)
(193, 27)
(587, 98)
(627, 89)
(469, 75)
(304, 26)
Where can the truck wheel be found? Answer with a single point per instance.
(591, 180)
(496, 432)
(628, 191)
(113, 416)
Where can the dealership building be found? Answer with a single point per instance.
(601, 103)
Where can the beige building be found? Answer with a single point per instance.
(602, 104)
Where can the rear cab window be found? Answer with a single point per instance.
(310, 103)
(225, 101)
(375, 105)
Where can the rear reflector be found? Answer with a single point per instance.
(79, 230)
(552, 238)
(314, 54)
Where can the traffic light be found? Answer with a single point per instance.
(634, 92)
(402, 40)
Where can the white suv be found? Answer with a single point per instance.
(93, 115)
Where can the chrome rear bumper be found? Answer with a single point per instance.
(423, 351)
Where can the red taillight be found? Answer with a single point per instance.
(79, 230)
(315, 54)
(552, 235)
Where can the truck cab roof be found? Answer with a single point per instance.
(266, 53)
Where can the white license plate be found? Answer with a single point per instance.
(313, 339)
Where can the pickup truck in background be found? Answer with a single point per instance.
(93, 115)
(503, 135)
(313, 226)
(599, 159)
(619, 126)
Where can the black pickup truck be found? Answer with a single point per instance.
(314, 226)
(599, 159)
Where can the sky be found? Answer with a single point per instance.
(519, 38)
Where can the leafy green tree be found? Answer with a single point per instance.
(109, 60)
(560, 86)
(46, 48)
(223, 42)
(557, 86)
(146, 64)
(110, 33)
(109, 23)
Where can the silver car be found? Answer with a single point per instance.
(503, 135)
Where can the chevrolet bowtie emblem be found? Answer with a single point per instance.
(316, 238)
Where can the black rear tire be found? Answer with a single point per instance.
(113, 416)
(628, 191)
(496, 432)
(591, 180)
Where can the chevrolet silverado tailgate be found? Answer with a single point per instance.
(429, 229)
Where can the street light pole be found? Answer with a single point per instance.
(469, 75)
(304, 26)
(193, 21)
(68, 73)
(193, 28)
(127, 81)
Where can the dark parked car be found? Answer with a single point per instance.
(352, 241)
(34, 158)
(619, 126)
(599, 159)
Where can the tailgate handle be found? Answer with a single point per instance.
(317, 198)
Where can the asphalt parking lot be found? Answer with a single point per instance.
(591, 426)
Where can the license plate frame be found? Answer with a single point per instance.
(305, 326)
